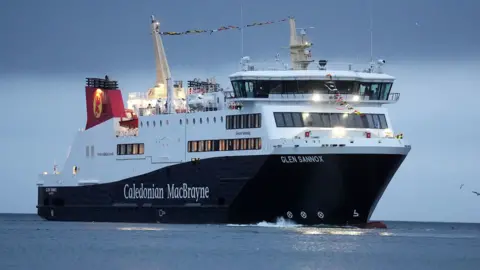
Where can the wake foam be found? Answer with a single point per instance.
(279, 223)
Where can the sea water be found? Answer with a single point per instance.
(28, 243)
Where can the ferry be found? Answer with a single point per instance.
(310, 145)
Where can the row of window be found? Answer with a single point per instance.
(225, 145)
(261, 89)
(200, 120)
(240, 121)
(328, 120)
(131, 149)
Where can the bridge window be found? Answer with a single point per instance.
(130, 149)
(242, 121)
(329, 120)
(263, 88)
(225, 145)
(385, 91)
(375, 91)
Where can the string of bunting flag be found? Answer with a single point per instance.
(339, 99)
(223, 28)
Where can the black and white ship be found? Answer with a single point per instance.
(315, 146)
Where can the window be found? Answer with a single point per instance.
(279, 119)
(328, 120)
(383, 121)
(288, 119)
(130, 149)
(225, 145)
(135, 148)
(297, 120)
(242, 121)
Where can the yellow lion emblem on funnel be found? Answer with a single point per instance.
(97, 103)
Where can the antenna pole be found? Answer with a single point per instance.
(371, 30)
(241, 25)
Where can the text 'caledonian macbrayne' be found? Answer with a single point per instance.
(153, 192)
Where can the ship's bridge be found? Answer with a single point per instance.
(314, 84)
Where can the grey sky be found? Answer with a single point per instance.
(48, 47)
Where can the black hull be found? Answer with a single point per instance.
(342, 190)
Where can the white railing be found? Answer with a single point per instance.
(137, 95)
(274, 64)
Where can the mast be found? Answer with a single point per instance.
(241, 24)
(162, 68)
(163, 75)
(300, 54)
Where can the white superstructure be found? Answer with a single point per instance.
(293, 111)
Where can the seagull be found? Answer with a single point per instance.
(461, 186)
(478, 193)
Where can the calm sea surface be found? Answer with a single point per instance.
(27, 242)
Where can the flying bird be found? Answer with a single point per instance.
(478, 193)
(461, 186)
